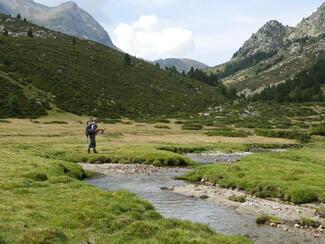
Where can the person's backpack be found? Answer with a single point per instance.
(91, 129)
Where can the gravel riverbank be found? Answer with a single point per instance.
(290, 214)
(126, 169)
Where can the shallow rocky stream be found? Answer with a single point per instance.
(172, 205)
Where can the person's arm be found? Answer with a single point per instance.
(100, 130)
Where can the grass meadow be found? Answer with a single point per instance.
(44, 200)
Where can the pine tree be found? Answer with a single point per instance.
(157, 65)
(14, 105)
(6, 33)
(25, 20)
(127, 60)
(30, 33)
(74, 41)
(18, 16)
(173, 69)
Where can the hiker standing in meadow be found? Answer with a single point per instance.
(91, 132)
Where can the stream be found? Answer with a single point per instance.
(172, 205)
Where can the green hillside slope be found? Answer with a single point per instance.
(15, 103)
(89, 78)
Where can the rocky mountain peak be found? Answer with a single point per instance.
(68, 5)
(312, 26)
(268, 39)
(67, 18)
(273, 25)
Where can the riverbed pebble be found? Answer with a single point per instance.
(123, 169)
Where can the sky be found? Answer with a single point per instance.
(210, 31)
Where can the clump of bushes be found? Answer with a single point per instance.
(252, 124)
(181, 150)
(163, 121)
(162, 127)
(240, 199)
(283, 125)
(264, 146)
(228, 132)
(318, 130)
(308, 222)
(301, 196)
(192, 127)
(267, 219)
(290, 134)
(5, 121)
(59, 122)
(267, 191)
(180, 122)
(73, 170)
(38, 176)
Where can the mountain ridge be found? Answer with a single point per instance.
(67, 18)
(181, 64)
(274, 54)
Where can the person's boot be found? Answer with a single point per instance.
(95, 151)
(88, 150)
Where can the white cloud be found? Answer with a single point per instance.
(144, 38)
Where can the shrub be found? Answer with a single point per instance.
(228, 132)
(300, 196)
(180, 122)
(241, 198)
(182, 150)
(72, 170)
(192, 127)
(163, 121)
(267, 190)
(308, 222)
(38, 176)
(303, 138)
(56, 122)
(290, 134)
(5, 121)
(319, 130)
(267, 219)
(162, 127)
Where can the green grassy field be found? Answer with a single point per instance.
(297, 175)
(44, 200)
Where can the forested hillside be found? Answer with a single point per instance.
(84, 77)
(304, 87)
